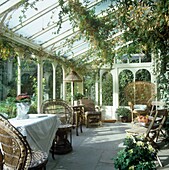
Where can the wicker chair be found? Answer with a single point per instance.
(16, 152)
(139, 96)
(61, 143)
(92, 114)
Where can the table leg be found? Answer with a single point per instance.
(61, 144)
(78, 116)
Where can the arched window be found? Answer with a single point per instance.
(107, 89)
(125, 77)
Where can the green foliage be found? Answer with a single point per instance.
(78, 96)
(8, 107)
(125, 77)
(33, 109)
(89, 80)
(107, 90)
(143, 27)
(6, 49)
(146, 23)
(122, 111)
(137, 154)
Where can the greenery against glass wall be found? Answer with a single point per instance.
(107, 89)
(143, 75)
(48, 77)
(89, 85)
(59, 81)
(125, 77)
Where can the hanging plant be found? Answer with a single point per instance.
(96, 30)
(6, 49)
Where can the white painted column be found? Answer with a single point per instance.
(9, 67)
(40, 84)
(54, 80)
(101, 74)
(64, 84)
(19, 76)
(72, 92)
(97, 90)
(115, 91)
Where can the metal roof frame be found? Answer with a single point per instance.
(53, 43)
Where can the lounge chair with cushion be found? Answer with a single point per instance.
(139, 95)
(92, 113)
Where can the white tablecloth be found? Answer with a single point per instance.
(39, 130)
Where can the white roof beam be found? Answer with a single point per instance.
(9, 5)
(78, 53)
(75, 47)
(24, 41)
(41, 13)
(58, 38)
(46, 29)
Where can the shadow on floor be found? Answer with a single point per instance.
(95, 148)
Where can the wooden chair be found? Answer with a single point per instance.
(156, 105)
(159, 105)
(92, 114)
(139, 96)
(61, 143)
(151, 132)
(16, 152)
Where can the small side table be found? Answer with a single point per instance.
(61, 143)
(78, 117)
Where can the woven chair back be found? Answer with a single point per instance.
(59, 107)
(88, 104)
(15, 149)
(140, 92)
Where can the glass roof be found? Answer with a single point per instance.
(38, 28)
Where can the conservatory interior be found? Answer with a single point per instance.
(74, 49)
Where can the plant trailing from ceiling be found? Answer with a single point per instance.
(142, 23)
(123, 27)
(6, 49)
(9, 49)
(146, 23)
(96, 30)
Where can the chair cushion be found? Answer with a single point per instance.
(38, 158)
(140, 107)
(92, 113)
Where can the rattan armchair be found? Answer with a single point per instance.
(93, 115)
(139, 96)
(16, 152)
(61, 143)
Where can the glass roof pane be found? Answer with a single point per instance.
(43, 13)
(6, 4)
(46, 36)
(40, 25)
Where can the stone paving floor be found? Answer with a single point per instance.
(95, 147)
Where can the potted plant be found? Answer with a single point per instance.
(137, 154)
(23, 102)
(77, 98)
(124, 114)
